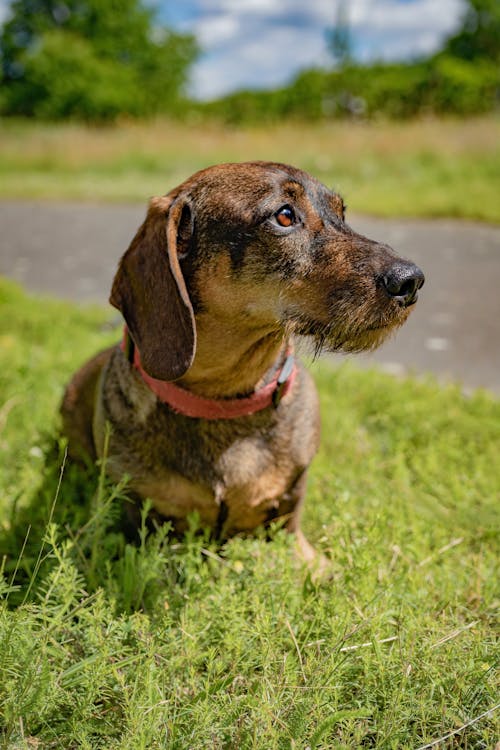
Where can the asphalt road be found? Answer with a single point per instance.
(71, 250)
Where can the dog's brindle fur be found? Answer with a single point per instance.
(212, 289)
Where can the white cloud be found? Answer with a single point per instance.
(264, 60)
(217, 30)
(391, 15)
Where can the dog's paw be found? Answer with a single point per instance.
(320, 567)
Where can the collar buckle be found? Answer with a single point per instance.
(283, 378)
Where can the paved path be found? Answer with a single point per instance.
(71, 250)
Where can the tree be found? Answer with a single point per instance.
(91, 58)
(339, 38)
(479, 35)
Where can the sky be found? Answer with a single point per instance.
(264, 43)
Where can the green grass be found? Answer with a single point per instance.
(104, 644)
(418, 168)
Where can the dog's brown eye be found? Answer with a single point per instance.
(285, 216)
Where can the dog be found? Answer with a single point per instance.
(209, 410)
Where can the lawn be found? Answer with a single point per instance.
(104, 644)
(419, 168)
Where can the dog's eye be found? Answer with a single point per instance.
(285, 216)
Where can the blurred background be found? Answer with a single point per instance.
(99, 60)
(393, 103)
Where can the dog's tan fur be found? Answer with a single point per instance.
(212, 289)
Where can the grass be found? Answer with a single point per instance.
(104, 644)
(419, 168)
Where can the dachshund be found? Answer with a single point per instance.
(208, 407)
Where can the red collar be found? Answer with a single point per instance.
(191, 405)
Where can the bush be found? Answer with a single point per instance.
(462, 87)
(443, 84)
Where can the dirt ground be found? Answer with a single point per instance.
(71, 250)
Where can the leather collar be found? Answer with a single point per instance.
(190, 404)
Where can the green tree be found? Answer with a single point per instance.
(91, 58)
(479, 35)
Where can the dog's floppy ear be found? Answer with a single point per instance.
(151, 294)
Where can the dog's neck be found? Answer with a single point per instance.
(268, 391)
(226, 365)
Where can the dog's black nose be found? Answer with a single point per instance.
(402, 282)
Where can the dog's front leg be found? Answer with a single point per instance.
(292, 504)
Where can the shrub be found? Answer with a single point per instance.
(462, 87)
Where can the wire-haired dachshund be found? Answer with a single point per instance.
(208, 408)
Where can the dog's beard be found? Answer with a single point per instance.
(349, 335)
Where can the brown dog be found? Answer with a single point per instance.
(224, 271)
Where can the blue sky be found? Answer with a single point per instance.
(263, 43)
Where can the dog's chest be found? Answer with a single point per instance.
(246, 482)
(242, 470)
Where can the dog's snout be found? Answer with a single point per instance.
(402, 282)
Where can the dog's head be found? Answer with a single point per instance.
(262, 247)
